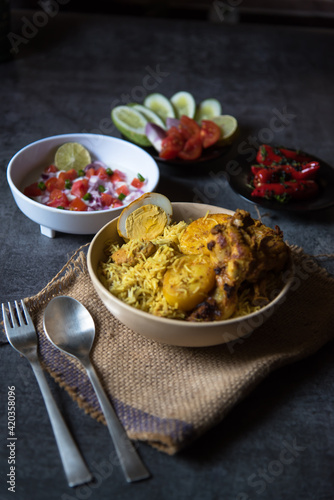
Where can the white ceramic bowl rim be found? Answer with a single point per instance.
(170, 321)
(68, 138)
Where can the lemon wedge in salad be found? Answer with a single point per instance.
(72, 155)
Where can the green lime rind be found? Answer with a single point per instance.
(150, 115)
(131, 123)
(208, 109)
(160, 105)
(229, 128)
(72, 155)
(184, 104)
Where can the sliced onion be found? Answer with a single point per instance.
(172, 122)
(155, 135)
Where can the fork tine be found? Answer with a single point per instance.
(12, 315)
(19, 314)
(5, 318)
(26, 313)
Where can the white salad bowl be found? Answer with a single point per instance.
(173, 331)
(27, 165)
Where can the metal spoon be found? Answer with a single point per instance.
(70, 327)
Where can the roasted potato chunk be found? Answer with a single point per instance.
(188, 281)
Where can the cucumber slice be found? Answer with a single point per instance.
(184, 104)
(150, 115)
(160, 105)
(131, 124)
(229, 128)
(207, 109)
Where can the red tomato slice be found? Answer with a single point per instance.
(210, 133)
(80, 188)
(69, 175)
(192, 148)
(123, 189)
(90, 172)
(107, 199)
(51, 168)
(102, 173)
(58, 199)
(32, 190)
(189, 127)
(136, 183)
(54, 183)
(117, 176)
(77, 205)
(171, 145)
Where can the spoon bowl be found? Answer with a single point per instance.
(70, 327)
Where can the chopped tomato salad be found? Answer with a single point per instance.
(96, 187)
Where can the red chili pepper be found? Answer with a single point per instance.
(294, 155)
(300, 190)
(268, 155)
(275, 173)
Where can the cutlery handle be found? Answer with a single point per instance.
(75, 468)
(133, 467)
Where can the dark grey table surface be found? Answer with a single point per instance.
(278, 82)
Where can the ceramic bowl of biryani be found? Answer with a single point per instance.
(136, 170)
(214, 316)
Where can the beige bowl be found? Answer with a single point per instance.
(172, 331)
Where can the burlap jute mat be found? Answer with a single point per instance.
(166, 395)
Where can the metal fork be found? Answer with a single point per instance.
(22, 336)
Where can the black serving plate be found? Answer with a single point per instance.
(325, 179)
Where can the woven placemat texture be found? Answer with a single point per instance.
(166, 395)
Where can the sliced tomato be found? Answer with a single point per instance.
(77, 205)
(117, 176)
(32, 190)
(58, 199)
(107, 199)
(210, 133)
(123, 189)
(69, 175)
(50, 169)
(192, 148)
(136, 183)
(91, 171)
(54, 183)
(117, 203)
(79, 188)
(172, 145)
(102, 173)
(188, 127)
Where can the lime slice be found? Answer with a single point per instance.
(184, 104)
(72, 155)
(131, 124)
(229, 128)
(207, 109)
(150, 116)
(160, 105)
